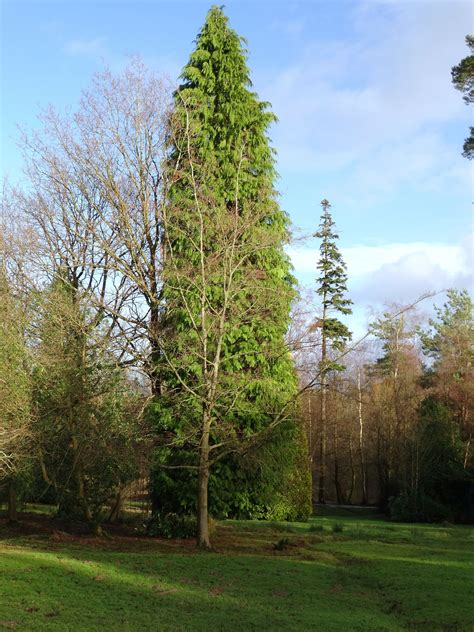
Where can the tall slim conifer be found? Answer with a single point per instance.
(332, 288)
(225, 324)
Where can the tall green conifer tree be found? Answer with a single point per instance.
(226, 374)
(331, 288)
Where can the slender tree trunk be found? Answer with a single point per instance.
(323, 438)
(116, 507)
(12, 501)
(417, 467)
(467, 451)
(203, 540)
(337, 482)
(381, 471)
(79, 476)
(322, 446)
(310, 430)
(153, 373)
(361, 443)
(353, 472)
(44, 471)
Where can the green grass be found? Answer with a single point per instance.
(371, 576)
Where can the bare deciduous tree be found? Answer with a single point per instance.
(96, 195)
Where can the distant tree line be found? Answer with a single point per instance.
(399, 430)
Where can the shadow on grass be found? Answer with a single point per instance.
(156, 592)
(347, 585)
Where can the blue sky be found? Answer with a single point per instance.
(368, 117)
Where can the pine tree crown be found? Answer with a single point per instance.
(332, 281)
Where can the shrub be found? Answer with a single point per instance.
(172, 525)
(417, 507)
(337, 527)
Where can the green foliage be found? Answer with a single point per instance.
(462, 77)
(463, 74)
(439, 448)
(297, 492)
(85, 418)
(437, 458)
(452, 332)
(397, 342)
(228, 290)
(228, 122)
(415, 506)
(15, 383)
(450, 343)
(332, 287)
(172, 525)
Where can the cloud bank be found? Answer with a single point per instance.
(394, 272)
(375, 103)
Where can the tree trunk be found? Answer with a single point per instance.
(467, 452)
(79, 476)
(322, 444)
(310, 430)
(116, 507)
(12, 501)
(337, 481)
(353, 473)
(153, 371)
(203, 541)
(361, 443)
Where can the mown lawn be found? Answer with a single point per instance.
(342, 571)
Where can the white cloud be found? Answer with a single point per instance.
(394, 272)
(376, 103)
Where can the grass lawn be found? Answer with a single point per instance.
(341, 571)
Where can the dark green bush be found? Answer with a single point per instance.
(172, 525)
(417, 507)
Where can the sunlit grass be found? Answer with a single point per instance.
(371, 576)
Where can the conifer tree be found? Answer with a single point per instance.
(15, 392)
(332, 288)
(225, 370)
(462, 77)
(450, 343)
(83, 432)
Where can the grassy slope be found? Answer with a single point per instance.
(373, 575)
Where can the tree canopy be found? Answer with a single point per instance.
(463, 80)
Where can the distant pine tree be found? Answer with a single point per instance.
(332, 288)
